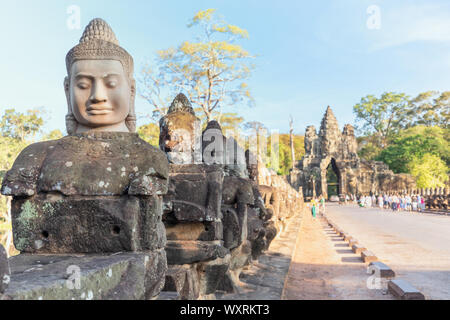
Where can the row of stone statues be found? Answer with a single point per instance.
(437, 202)
(197, 210)
(231, 218)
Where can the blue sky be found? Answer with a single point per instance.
(310, 53)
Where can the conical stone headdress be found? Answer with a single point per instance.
(99, 42)
(181, 104)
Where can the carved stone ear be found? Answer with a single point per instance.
(66, 84)
(67, 91)
(133, 87)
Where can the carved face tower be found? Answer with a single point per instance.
(100, 88)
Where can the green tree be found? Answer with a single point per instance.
(430, 108)
(53, 135)
(17, 129)
(21, 126)
(429, 170)
(211, 71)
(149, 133)
(368, 148)
(381, 117)
(415, 143)
(284, 149)
(229, 121)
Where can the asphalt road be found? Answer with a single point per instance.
(416, 246)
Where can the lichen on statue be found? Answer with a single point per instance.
(98, 189)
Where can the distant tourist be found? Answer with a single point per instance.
(313, 207)
(380, 201)
(368, 201)
(322, 204)
(408, 202)
(414, 203)
(394, 202)
(422, 202)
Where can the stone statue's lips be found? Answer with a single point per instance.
(98, 109)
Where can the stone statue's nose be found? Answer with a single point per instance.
(98, 93)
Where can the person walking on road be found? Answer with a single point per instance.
(322, 204)
(394, 203)
(380, 201)
(414, 203)
(313, 207)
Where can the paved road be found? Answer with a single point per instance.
(416, 246)
(324, 267)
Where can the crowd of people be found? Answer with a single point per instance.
(395, 202)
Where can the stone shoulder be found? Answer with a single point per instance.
(153, 157)
(21, 179)
(154, 165)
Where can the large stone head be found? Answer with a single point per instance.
(180, 133)
(99, 86)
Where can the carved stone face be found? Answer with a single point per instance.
(99, 94)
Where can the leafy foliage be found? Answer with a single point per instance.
(430, 108)
(284, 148)
(149, 133)
(53, 135)
(410, 135)
(381, 117)
(429, 170)
(17, 131)
(21, 126)
(210, 71)
(414, 143)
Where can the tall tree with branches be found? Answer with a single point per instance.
(211, 71)
(382, 117)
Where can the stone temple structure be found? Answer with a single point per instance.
(335, 151)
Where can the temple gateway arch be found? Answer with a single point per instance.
(331, 165)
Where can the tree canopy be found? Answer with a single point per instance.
(411, 135)
(211, 71)
(429, 170)
(21, 126)
(381, 117)
(430, 108)
(415, 143)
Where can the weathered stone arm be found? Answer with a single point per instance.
(21, 179)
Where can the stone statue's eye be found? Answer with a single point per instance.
(83, 85)
(111, 84)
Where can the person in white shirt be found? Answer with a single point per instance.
(368, 201)
(408, 203)
(380, 201)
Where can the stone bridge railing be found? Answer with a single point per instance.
(219, 217)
